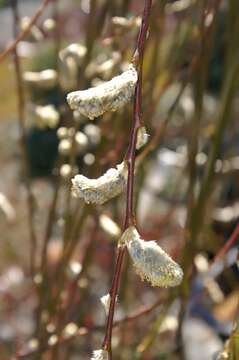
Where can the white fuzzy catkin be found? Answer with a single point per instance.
(64, 147)
(81, 141)
(104, 68)
(7, 208)
(62, 132)
(93, 133)
(105, 301)
(68, 70)
(109, 226)
(70, 330)
(142, 137)
(126, 23)
(102, 189)
(110, 96)
(45, 79)
(47, 116)
(74, 51)
(33, 344)
(35, 32)
(100, 355)
(151, 262)
(89, 159)
(49, 25)
(79, 119)
(66, 171)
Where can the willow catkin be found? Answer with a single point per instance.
(126, 23)
(104, 69)
(65, 146)
(62, 132)
(44, 79)
(105, 301)
(109, 96)
(81, 142)
(34, 32)
(142, 137)
(70, 330)
(74, 51)
(109, 226)
(7, 208)
(47, 116)
(102, 189)
(150, 261)
(100, 355)
(49, 25)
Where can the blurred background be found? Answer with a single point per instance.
(58, 253)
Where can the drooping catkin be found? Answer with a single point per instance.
(102, 189)
(100, 355)
(150, 261)
(109, 96)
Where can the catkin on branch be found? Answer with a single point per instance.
(142, 137)
(105, 301)
(109, 96)
(43, 79)
(74, 51)
(150, 261)
(100, 355)
(102, 189)
(47, 116)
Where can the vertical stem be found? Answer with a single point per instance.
(130, 159)
(137, 119)
(21, 119)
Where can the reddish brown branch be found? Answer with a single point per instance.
(24, 33)
(137, 121)
(145, 310)
(130, 159)
(141, 312)
(229, 243)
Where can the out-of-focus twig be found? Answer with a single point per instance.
(24, 33)
(83, 331)
(229, 243)
(21, 120)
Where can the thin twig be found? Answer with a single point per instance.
(130, 159)
(229, 243)
(142, 311)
